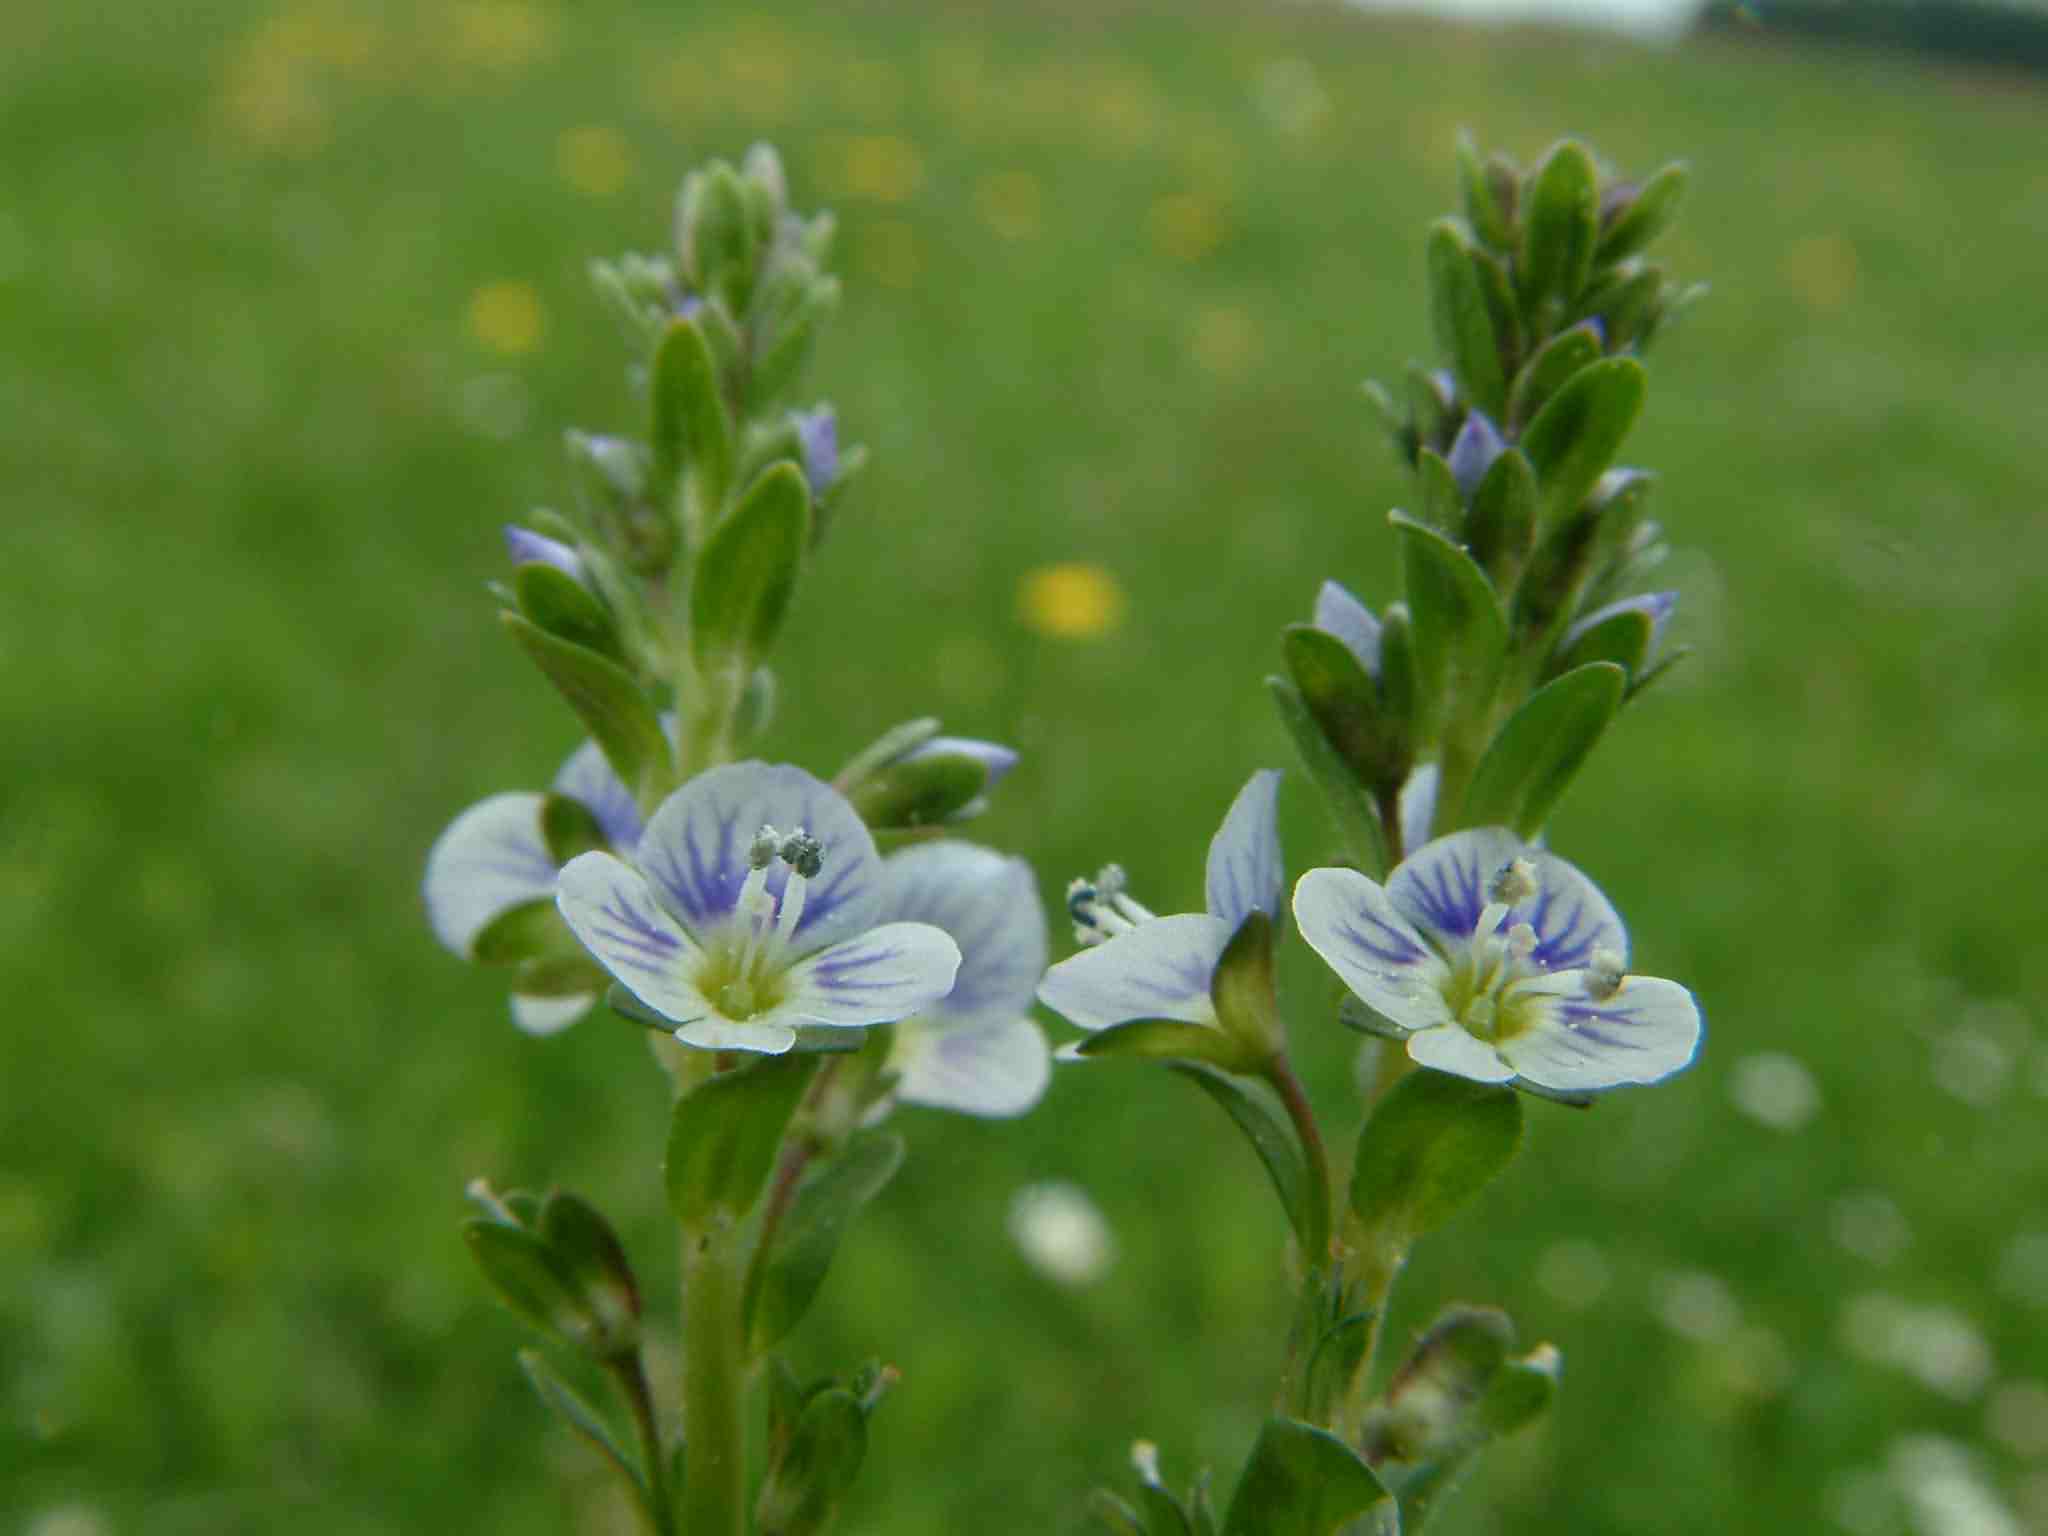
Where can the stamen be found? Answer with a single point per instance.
(1100, 909)
(792, 906)
(1604, 973)
(1491, 916)
(762, 850)
(1514, 882)
(803, 853)
(1521, 942)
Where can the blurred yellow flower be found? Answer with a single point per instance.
(883, 167)
(594, 160)
(889, 253)
(757, 64)
(1186, 225)
(501, 37)
(1010, 204)
(1071, 601)
(1821, 270)
(1224, 339)
(507, 317)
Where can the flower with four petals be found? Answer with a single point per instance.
(1501, 963)
(754, 907)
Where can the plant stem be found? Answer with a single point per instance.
(1315, 1239)
(1379, 1267)
(714, 1481)
(632, 1379)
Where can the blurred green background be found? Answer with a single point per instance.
(295, 312)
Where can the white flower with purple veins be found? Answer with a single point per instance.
(754, 908)
(977, 1049)
(1499, 962)
(1139, 966)
(494, 860)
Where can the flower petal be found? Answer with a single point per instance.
(1159, 970)
(548, 1015)
(1417, 806)
(1352, 924)
(995, 1070)
(614, 912)
(1244, 856)
(989, 905)
(885, 974)
(1343, 615)
(1473, 451)
(695, 850)
(997, 759)
(525, 547)
(491, 859)
(1441, 889)
(588, 777)
(1659, 606)
(1646, 1031)
(1449, 1049)
(715, 1032)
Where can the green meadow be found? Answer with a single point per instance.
(294, 314)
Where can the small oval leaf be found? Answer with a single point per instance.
(1532, 761)
(1432, 1144)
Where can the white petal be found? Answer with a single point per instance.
(614, 912)
(1350, 922)
(588, 777)
(1159, 970)
(1418, 806)
(1441, 889)
(989, 904)
(886, 974)
(1244, 856)
(716, 1033)
(997, 1070)
(1343, 615)
(1643, 1033)
(548, 1015)
(491, 859)
(695, 850)
(1450, 1049)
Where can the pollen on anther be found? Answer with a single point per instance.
(1515, 882)
(762, 851)
(803, 853)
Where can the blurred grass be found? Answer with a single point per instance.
(295, 314)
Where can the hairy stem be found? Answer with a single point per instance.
(714, 1482)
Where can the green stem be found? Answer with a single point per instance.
(1316, 1240)
(714, 1481)
(632, 1379)
(1378, 1268)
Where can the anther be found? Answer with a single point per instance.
(1515, 882)
(803, 853)
(761, 852)
(1604, 973)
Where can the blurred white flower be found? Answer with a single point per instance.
(1060, 1232)
(1774, 1089)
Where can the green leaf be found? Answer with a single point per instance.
(1115, 1513)
(692, 431)
(528, 1278)
(1622, 638)
(1272, 1138)
(802, 1493)
(1502, 312)
(576, 1411)
(1645, 216)
(560, 604)
(1343, 700)
(1350, 806)
(568, 828)
(724, 1134)
(1461, 635)
(790, 342)
(1463, 320)
(1658, 668)
(1437, 491)
(1560, 225)
(1166, 1040)
(1400, 676)
(605, 697)
(747, 571)
(1548, 372)
(720, 247)
(919, 793)
(1301, 1481)
(591, 1255)
(1242, 989)
(1533, 759)
(787, 1276)
(1576, 435)
(529, 931)
(1521, 1394)
(1432, 1144)
(1490, 220)
(1501, 530)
